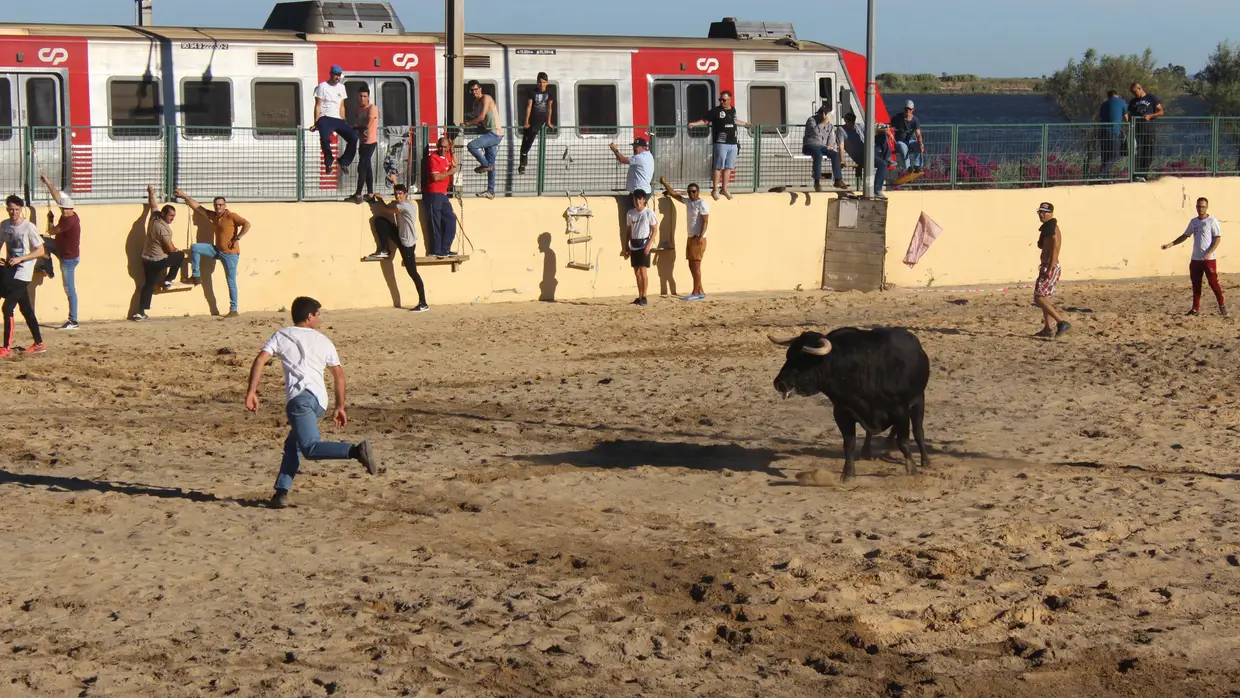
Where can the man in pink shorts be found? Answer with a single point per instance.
(1049, 239)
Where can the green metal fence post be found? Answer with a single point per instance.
(757, 158)
(955, 155)
(1215, 134)
(542, 158)
(301, 164)
(1045, 145)
(170, 160)
(1132, 150)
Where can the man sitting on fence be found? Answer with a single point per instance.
(329, 118)
(821, 141)
(909, 142)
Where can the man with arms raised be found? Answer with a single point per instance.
(697, 218)
(304, 352)
(161, 260)
(229, 229)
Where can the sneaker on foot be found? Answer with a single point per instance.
(521, 169)
(233, 313)
(1045, 332)
(817, 186)
(1062, 328)
(1222, 310)
(327, 168)
(486, 194)
(727, 194)
(840, 184)
(138, 317)
(481, 169)
(636, 301)
(36, 348)
(366, 456)
(375, 257)
(69, 325)
(642, 301)
(194, 280)
(420, 308)
(279, 500)
(1194, 311)
(714, 194)
(5, 352)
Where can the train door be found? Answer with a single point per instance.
(395, 98)
(32, 134)
(681, 154)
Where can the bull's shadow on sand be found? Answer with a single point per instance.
(624, 453)
(59, 483)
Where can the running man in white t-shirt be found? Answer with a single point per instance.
(329, 118)
(1206, 235)
(305, 353)
(697, 219)
(22, 245)
(641, 225)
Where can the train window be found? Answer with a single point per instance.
(133, 108)
(6, 109)
(277, 108)
(471, 105)
(394, 96)
(42, 110)
(663, 97)
(826, 93)
(597, 107)
(525, 91)
(697, 104)
(766, 106)
(207, 106)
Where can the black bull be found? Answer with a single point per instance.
(876, 378)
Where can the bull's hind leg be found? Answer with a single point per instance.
(866, 454)
(900, 432)
(918, 412)
(848, 429)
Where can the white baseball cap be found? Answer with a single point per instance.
(65, 201)
(909, 105)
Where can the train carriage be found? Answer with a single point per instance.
(107, 109)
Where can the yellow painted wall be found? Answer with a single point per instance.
(1109, 232)
(761, 242)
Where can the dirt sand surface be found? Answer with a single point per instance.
(585, 499)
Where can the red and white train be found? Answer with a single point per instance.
(95, 105)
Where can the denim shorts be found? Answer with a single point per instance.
(725, 156)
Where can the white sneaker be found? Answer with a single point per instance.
(138, 317)
(69, 325)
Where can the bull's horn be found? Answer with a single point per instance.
(782, 342)
(821, 350)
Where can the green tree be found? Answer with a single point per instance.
(1080, 87)
(1219, 82)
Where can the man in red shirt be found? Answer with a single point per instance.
(441, 167)
(67, 235)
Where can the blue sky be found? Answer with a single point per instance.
(998, 38)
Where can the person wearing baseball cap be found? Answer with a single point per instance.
(65, 243)
(330, 118)
(641, 165)
(909, 143)
(1049, 239)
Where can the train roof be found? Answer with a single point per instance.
(121, 32)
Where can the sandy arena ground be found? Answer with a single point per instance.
(589, 499)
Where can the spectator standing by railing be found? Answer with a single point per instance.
(1113, 113)
(1206, 234)
(641, 166)
(723, 122)
(821, 140)
(66, 243)
(441, 167)
(538, 113)
(161, 260)
(1143, 108)
(330, 117)
(909, 143)
(229, 228)
(485, 148)
(23, 246)
(367, 124)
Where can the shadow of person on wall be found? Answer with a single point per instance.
(665, 262)
(204, 232)
(546, 289)
(379, 217)
(135, 240)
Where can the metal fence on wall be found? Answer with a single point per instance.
(113, 163)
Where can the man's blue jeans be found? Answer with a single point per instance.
(818, 152)
(910, 154)
(68, 267)
(304, 413)
(485, 148)
(328, 125)
(205, 249)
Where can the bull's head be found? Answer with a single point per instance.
(803, 368)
